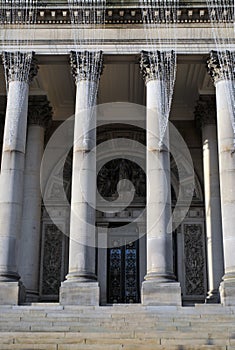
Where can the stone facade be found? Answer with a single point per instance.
(83, 222)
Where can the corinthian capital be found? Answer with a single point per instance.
(153, 64)
(205, 110)
(221, 65)
(86, 65)
(20, 66)
(39, 111)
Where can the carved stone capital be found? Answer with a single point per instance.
(86, 65)
(205, 110)
(20, 66)
(39, 111)
(152, 64)
(220, 65)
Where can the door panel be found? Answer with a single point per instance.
(123, 270)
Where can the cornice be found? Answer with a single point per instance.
(121, 14)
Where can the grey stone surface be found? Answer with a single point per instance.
(215, 259)
(227, 292)
(227, 185)
(205, 327)
(11, 293)
(79, 293)
(155, 293)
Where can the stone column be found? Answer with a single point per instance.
(205, 114)
(159, 287)
(20, 69)
(39, 116)
(225, 114)
(81, 286)
(102, 238)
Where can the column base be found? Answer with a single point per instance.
(161, 293)
(227, 292)
(79, 293)
(12, 293)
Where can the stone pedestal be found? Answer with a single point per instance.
(159, 230)
(81, 287)
(79, 293)
(11, 293)
(225, 118)
(155, 293)
(227, 292)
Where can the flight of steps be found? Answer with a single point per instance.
(133, 327)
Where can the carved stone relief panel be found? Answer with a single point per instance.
(121, 169)
(192, 261)
(53, 254)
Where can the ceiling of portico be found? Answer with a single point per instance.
(120, 81)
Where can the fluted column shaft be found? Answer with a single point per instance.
(39, 116)
(159, 233)
(221, 77)
(206, 115)
(86, 69)
(12, 167)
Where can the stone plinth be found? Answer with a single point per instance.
(227, 292)
(155, 293)
(79, 293)
(11, 293)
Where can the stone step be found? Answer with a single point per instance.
(119, 346)
(109, 347)
(52, 326)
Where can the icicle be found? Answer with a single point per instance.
(88, 18)
(161, 15)
(20, 16)
(222, 11)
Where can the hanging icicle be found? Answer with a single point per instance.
(159, 19)
(17, 26)
(221, 13)
(88, 19)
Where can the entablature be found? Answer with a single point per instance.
(124, 12)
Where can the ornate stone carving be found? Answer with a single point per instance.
(52, 260)
(20, 66)
(86, 65)
(205, 110)
(194, 259)
(120, 169)
(220, 65)
(39, 111)
(152, 64)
